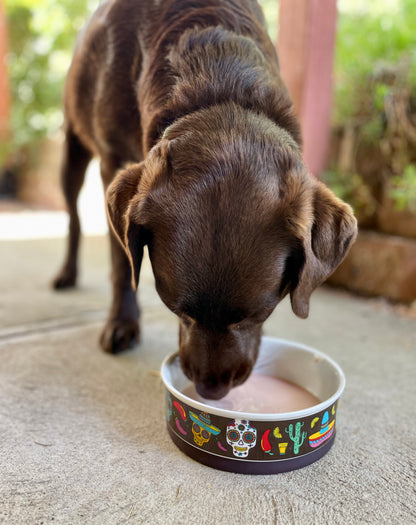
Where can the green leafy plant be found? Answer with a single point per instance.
(271, 14)
(351, 188)
(403, 190)
(376, 32)
(375, 94)
(42, 34)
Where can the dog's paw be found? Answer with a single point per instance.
(66, 278)
(119, 335)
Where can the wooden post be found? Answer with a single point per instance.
(4, 85)
(306, 45)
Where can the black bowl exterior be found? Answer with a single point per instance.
(240, 466)
(248, 446)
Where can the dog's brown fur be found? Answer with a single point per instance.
(190, 92)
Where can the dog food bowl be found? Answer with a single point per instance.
(259, 443)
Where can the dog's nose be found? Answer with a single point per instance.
(212, 391)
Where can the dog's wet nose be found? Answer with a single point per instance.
(212, 391)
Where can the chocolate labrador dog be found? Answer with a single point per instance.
(200, 154)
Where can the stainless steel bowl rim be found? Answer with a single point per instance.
(253, 416)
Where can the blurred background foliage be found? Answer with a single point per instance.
(41, 39)
(374, 123)
(374, 118)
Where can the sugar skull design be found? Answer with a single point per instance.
(241, 436)
(202, 428)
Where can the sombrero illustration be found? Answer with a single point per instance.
(325, 432)
(204, 421)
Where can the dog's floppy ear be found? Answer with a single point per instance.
(325, 245)
(120, 197)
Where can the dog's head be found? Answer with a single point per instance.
(233, 223)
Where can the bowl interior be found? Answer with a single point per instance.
(299, 364)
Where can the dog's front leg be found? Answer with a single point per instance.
(121, 330)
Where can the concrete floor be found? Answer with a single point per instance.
(82, 434)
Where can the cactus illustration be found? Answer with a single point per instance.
(299, 436)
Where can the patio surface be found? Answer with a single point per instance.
(82, 434)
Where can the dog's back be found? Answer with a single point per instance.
(100, 97)
(121, 87)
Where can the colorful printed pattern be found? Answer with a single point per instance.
(202, 428)
(326, 431)
(253, 439)
(241, 436)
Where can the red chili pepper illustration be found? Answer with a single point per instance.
(265, 443)
(220, 446)
(180, 409)
(181, 430)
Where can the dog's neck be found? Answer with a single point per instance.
(210, 66)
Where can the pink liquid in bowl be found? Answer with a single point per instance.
(261, 394)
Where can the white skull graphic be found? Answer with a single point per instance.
(241, 436)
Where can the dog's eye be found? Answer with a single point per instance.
(236, 326)
(242, 325)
